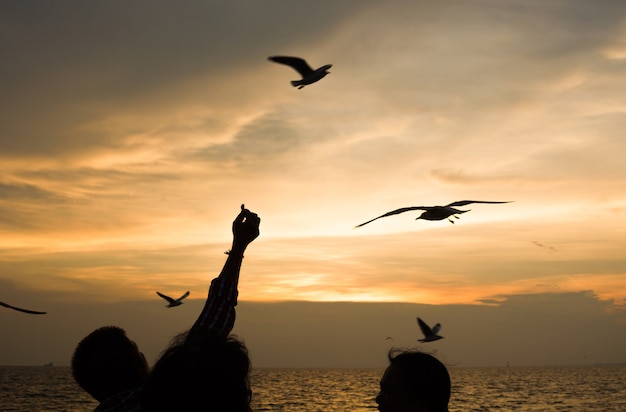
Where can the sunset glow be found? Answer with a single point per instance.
(127, 149)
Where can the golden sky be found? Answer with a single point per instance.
(131, 133)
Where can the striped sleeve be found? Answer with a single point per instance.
(218, 314)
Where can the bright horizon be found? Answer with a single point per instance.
(129, 138)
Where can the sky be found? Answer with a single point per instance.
(131, 133)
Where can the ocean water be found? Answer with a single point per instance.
(580, 389)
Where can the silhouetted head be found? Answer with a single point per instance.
(325, 68)
(414, 382)
(200, 373)
(423, 215)
(107, 362)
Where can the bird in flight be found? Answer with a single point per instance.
(429, 334)
(173, 302)
(433, 212)
(33, 312)
(309, 75)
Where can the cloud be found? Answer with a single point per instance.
(16, 192)
(260, 141)
(72, 66)
(474, 335)
(66, 199)
(536, 329)
(95, 274)
(454, 176)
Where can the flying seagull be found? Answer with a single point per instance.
(429, 334)
(433, 212)
(309, 75)
(173, 302)
(33, 312)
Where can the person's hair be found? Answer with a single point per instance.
(107, 362)
(200, 373)
(426, 379)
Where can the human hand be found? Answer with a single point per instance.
(245, 230)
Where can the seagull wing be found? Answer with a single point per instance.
(436, 328)
(468, 202)
(170, 300)
(395, 212)
(425, 328)
(183, 297)
(33, 312)
(298, 64)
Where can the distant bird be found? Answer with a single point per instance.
(429, 334)
(173, 302)
(433, 212)
(550, 248)
(33, 312)
(309, 76)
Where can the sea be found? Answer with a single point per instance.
(569, 388)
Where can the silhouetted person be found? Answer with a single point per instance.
(202, 373)
(110, 367)
(205, 369)
(414, 382)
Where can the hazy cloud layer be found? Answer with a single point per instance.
(537, 329)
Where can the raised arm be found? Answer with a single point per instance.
(218, 314)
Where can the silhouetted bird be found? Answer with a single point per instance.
(433, 212)
(309, 75)
(33, 312)
(429, 334)
(173, 302)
